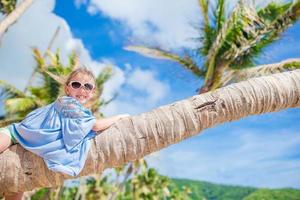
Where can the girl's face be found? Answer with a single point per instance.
(81, 87)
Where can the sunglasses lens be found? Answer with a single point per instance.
(75, 85)
(88, 86)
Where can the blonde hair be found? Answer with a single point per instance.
(80, 70)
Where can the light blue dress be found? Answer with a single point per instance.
(60, 133)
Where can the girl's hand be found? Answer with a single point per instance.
(104, 123)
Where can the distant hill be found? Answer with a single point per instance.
(208, 191)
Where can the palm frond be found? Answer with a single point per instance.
(7, 121)
(270, 12)
(222, 39)
(53, 84)
(42, 67)
(209, 32)
(53, 58)
(284, 20)
(7, 6)
(39, 92)
(20, 105)
(232, 76)
(39, 59)
(74, 61)
(204, 5)
(186, 61)
(59, 79)
(258, 31)
(220, 14)
(9, 91)
(104, 75)
(59, 65)
(243, 35)
(52, 80)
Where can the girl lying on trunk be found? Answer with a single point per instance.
(60, 132)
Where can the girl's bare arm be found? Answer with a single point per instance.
(104, 123)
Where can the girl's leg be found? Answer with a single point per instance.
(5, 141)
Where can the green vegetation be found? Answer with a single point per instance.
(210, 191)
(169, 189)
(228, 46)
(279, 194)
(7, 6)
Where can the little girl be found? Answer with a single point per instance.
(60, 132)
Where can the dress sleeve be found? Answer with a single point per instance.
(76, 122)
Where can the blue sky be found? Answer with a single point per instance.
(257, 151)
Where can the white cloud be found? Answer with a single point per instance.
(166, 23)
(170, 24)
(113, 85)
(141, 91)
(145, 81)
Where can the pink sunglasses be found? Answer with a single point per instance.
(77, 85)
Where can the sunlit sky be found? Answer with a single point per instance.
(260, 151)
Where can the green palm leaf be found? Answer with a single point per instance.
(54, 59)
(9, 91)
(231, 44)
(8, 121)
(51, 70)
(221, 41)
(7, 6)
(20, 105)
(53, 76)
(220, 14)
(245, 34)
(263, 70)
(204, 4)
(104, 75)
(209, 33)
(186, 61)
(73, 62)
(39, 59)
(259, 29)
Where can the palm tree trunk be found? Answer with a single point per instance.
(14, 16)
(134, 137)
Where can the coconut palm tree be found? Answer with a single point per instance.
(134, 137)
(13, 13)
(229, 45)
